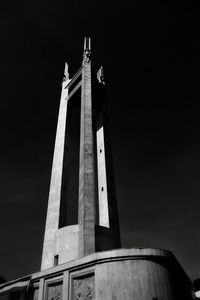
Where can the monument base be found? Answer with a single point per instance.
(125, 274)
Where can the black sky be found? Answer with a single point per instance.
(150, 53)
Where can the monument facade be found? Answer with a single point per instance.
(82, 256)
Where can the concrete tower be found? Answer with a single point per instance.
(93, 195)
(82, 220)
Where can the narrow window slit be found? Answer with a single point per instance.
(55, 260)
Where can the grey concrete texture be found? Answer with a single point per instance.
(95, 173)
(120, 274)
(86, 172)
(53, 210)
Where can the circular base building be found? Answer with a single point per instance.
(125, 274)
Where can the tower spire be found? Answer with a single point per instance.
(87, 43)
(87, 50)
(66, 73)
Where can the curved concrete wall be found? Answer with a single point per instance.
(66, 243)
(127, 274)
(133, 274)
(139, 278)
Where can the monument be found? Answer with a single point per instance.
(82, 256)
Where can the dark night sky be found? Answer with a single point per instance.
(150, 52)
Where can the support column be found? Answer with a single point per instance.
(86, 170)
(53, 210)
(41, 289)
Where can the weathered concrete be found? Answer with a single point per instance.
(53, 210)
(102, 180)
(147, 274)
(97, 227)
(107, 231)
(86, 169)
(71, 269)
(66, 243)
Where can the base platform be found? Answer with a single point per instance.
(125, 274)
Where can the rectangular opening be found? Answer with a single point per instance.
(56, 260)
(74, 83)
(70, 176)
(33, 293)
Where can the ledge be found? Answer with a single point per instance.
(101, 257)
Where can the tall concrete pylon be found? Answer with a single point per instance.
(82, 217)
(96, 228)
